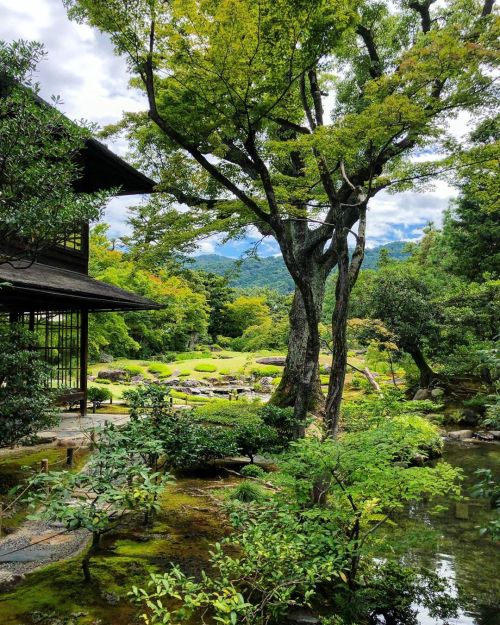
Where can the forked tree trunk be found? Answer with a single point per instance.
(285, 394)
(339, 347)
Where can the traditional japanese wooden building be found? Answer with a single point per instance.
(54, 295)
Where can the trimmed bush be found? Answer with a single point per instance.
(160, 369)
(252, 470)
(102, 381)
(266, 371)
(256, 437)
(184, 374)
(205, 367)
(225, 412)
(98, 395)
(133, 370)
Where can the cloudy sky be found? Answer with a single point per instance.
(92, 83)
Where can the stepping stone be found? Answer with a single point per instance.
(27, 555)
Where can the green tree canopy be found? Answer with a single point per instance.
(38, 162)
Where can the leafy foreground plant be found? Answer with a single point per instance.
(26, 401)
(309, 543)
(114, 483)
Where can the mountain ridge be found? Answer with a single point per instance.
(270, 271)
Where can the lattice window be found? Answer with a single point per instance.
(73, 241)
(59, 341)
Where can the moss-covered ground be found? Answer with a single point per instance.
(13, 473)
(181, 533)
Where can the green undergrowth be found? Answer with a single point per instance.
(224, 412)
(12, 474)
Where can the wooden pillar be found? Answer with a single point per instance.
(84, 358)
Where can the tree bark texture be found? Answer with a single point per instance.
(426, 373)
(339, 344)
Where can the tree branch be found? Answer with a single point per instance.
(375, 65)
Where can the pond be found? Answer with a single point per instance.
(453, 547)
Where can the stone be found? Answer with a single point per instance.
(495, 434)
(436, 393)
(421, 394)
(67, 442)
(301, 617)
(266, 381)
(485, 436)
(191, 383)
(135, 379)
(278, 361)
(91, 378)
(460, 434)
(115, 375)
(172, 382)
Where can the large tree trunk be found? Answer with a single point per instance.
(285, 394)
(339, 346)
(426, 373)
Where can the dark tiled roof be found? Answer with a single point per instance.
(41, 287)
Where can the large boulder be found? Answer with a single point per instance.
(421, 394)
(114, 375)
(278, 361)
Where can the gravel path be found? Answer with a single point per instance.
(36, 544)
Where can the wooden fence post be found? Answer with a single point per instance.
(69, 456)
(44, 465)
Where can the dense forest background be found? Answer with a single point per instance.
(271, 272)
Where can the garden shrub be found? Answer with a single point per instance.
(98, 395)
(26, 401)
(253, 438)
(225, 412)
(160, 369)
(105, 358)
(189, 445)
(190, 398)
(102, 381)
(184, 374)
(205, 367)
(247, 492)
(282, 421)
(180, 356)
(133, 370)
(252, 470)
(266, 371)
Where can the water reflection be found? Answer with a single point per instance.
(453, 546)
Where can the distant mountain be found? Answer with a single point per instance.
(271, 271)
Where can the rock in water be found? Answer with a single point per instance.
(460, 434)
